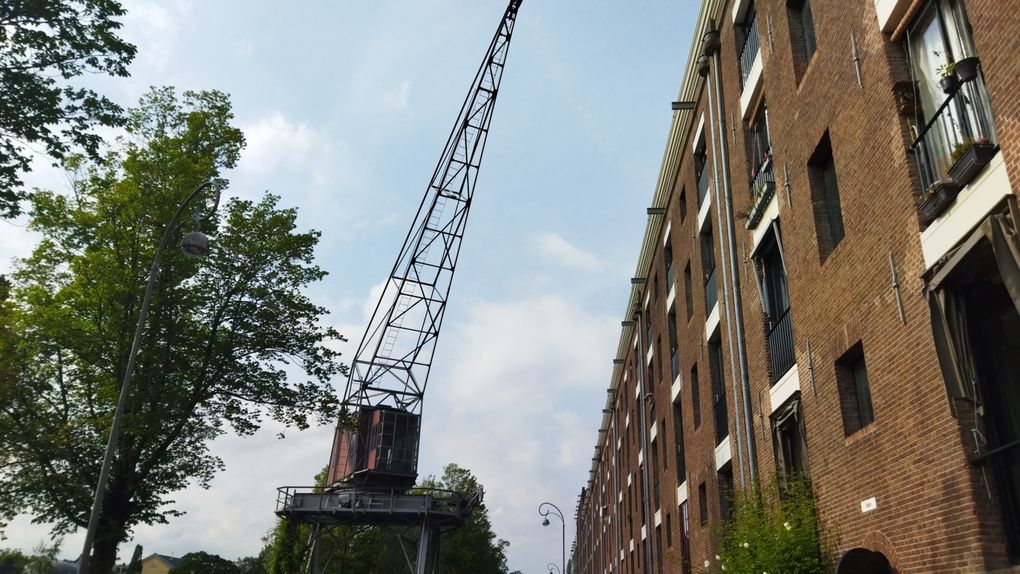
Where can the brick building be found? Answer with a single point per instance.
(828, 285)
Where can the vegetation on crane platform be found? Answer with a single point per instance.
(471, 549)
(45, 44)
(231, 340)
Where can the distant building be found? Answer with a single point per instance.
(861, 324)
(158, 564)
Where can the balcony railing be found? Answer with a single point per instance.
(782, 355)
(702, 185)
(674, 363)
(669, 276)
(763, 187)
(711, 291)
(749, 51)
(964, 116)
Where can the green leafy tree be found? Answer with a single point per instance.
(203, 563)
(230, 340)
(12, 561)
(45, 44)
(471, 549)
(251, 565)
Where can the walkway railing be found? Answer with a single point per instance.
(782, 353)
(749, 51)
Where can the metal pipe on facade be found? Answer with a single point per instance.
(726, 284)
(731, 238)
(643, 421)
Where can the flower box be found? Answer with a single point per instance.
(972, 162)
(938, 197)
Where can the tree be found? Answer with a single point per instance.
(470, 549)
(46, 42)
(251, 565)
(203, 563)
(230, 340)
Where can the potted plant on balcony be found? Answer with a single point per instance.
(967, 69)
(937, 198)
(969, 157)
(948, 81)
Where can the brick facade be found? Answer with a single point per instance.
(933, 510)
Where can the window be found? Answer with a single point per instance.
(656, 499)
(667, 257)
(715, 369)
(683, 205)
(747, 43)
(770, 274)
(658, 549)
(700, 173)
(802, 34)
(685, 539)
(854, 390)
(688, 291)
(725, 485)
(825, 198)
(702, 504)
(708, 269)
(665, 455)
(695, 397)
(674, 345)
(648, 328)
(678, 440)
(788, 441)
(669, 531)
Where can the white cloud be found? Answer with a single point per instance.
(398, 99)
(554, 248)
(154, 27)
(275, 142)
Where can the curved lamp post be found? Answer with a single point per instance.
(553, 568)
(555, 511)
(194, 244)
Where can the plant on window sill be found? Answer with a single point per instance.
(969, 157)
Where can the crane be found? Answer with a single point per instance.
(374, 459)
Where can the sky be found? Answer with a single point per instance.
(346, 107)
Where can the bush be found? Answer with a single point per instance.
(773, 534)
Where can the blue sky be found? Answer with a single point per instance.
(346, 106)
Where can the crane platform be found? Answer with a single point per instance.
(375, 506)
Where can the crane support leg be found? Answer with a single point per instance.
(428, 550)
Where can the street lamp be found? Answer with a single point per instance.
(194, 244)
(555, 511)
(553, 568)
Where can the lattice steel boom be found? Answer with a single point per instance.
(390, 370)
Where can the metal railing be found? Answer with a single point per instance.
(674, 363)
(669, 275)
(702, 186)
(782, 353)
(711, 291)
(763, 178)
(965, 115)
(749, 51)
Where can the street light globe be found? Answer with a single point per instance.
(195, 244)
(545, 522)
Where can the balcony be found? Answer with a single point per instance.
(953, 147)
(702, 185)
(763, 187)
(711, 291)
(782, 354)
(749, 51)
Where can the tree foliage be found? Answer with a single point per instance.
(471, 549)
(45, 43)
(230, 340)
(204, 563)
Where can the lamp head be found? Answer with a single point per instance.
(545, 522)
(195, 245)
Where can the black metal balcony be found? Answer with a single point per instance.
(749, 51)
(763, 187)
(702, 185)
(964, 118)
(782, 353)
(711, 292)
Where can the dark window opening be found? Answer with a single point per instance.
(789, 442)
(700, 173)
(854, 390)
(678, 441)
(770, 272)
(683, 205)
(669, 531)
(708, 269)
(825, 200)
(802, 34)
(702, 504)
(747, 43)
(674, 345)
(695, 396)
(667, 257)
(685, 539)
(688, 291)
(716, 373)
(725, 485)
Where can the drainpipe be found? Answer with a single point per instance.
(703, 64)
(643, 421)
(711, 43)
